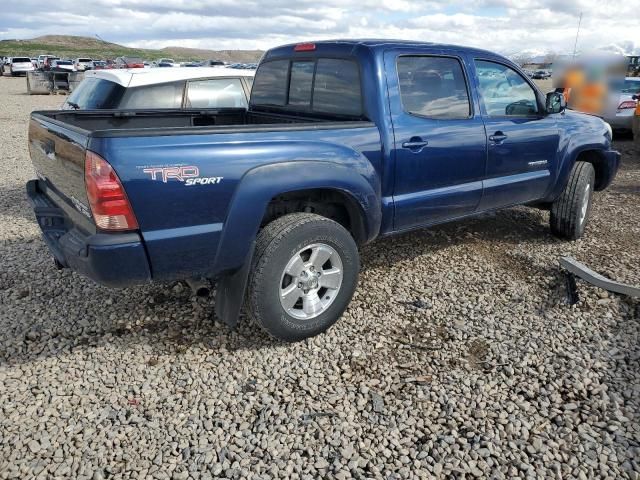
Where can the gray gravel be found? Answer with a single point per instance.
(458, 357)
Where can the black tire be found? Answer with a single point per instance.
(569, 215)
(278, 243)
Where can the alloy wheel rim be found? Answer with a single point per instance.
(310, 281)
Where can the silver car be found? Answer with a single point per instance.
(620, 113)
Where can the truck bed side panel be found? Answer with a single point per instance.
(175, 216)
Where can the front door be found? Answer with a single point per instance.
(440, 142)
(522, 138)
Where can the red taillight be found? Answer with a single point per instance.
(109, 203)
(304, 47)
(627, 104)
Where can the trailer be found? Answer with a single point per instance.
(42, 82)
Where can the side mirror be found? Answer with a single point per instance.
(635, 97)
(556, 102)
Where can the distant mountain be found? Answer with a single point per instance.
(74, 46)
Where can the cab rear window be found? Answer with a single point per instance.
(325, 86)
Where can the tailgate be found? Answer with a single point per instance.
(57, 153)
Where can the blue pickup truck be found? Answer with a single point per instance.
(343, 142)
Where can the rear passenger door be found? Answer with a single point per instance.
(440, 141)
(522, 138)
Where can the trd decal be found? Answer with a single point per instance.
(189, 175)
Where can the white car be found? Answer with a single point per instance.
(153, 88)
(62, 65)
(620, 113)
(82, 64)
(20, 65)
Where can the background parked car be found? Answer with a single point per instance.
(167, 62)
(82, 64)
(212, 63)
(100, 65)
(215, 87)
(129, 62)
(620, 112)
(20, 66)
(42, 58)
(62, 66)
(541, 75)
(48, 61)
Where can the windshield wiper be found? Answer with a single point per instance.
(73, 105)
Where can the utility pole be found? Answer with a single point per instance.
(575, 45)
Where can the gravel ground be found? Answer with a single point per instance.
(459, 357)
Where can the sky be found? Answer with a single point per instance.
(506, 26)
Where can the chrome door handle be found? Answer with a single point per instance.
(415, 144)
(498, 137)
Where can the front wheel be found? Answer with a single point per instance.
(305, 270)
(570, 212)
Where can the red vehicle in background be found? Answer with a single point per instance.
(129, 62)
(47, 61)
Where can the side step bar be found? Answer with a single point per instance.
(573, 267)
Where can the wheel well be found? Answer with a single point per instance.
(595, 158)
(329, 203)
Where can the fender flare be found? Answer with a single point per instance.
(567, 162)
(248, 206)
(259, 185)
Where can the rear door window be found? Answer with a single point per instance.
(96, 93)
(21, 60)
(216, 93)
(433, 87)
(167, 95)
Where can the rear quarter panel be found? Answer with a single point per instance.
(183, 225)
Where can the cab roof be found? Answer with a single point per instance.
(373, 44)
(137, 77)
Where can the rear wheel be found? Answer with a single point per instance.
(305, 270)
(570, 212)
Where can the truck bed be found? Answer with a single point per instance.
(105, 123)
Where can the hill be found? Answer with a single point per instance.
(74, 46)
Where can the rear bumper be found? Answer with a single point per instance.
(16, 69)
(621, 121)
(112, 259)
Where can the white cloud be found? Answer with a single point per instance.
(505, 26)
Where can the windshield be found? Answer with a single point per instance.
(95, 93)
